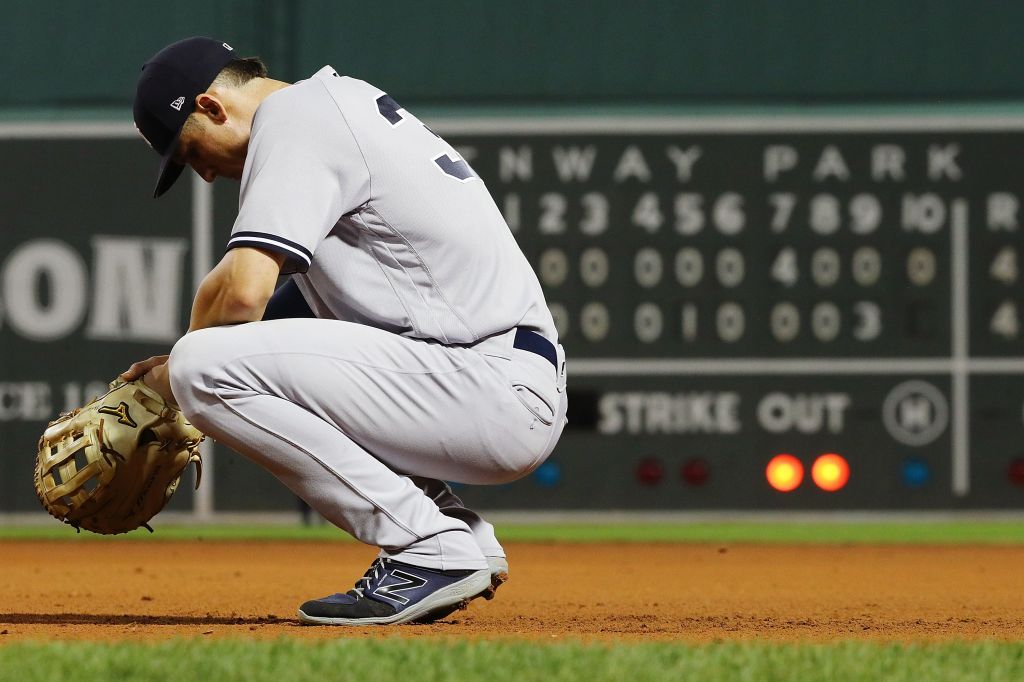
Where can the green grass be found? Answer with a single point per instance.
(415, 659)
(427, 660)
(877, 532)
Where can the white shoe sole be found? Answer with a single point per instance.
(451, 598)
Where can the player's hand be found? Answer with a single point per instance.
(140, 368)
(159, 379)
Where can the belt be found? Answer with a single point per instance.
(533, 342)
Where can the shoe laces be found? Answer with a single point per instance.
(372, 573)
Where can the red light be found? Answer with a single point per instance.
(1016, 472)
(649, 472)
(830, 472)
(784, 473)
(695, 472)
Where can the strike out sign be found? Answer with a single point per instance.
(740, 287)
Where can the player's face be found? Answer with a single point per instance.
(212, 150)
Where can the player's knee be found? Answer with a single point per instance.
(513, 469)
(193, 365)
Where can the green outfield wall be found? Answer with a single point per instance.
(87, 54)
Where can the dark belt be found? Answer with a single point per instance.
(535, 343)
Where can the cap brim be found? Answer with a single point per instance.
(169, 171)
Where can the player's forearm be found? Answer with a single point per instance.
(226, 298)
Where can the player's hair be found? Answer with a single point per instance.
(237, 73)
(240, 71)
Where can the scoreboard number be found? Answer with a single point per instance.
(825, 267)
(866, 266)
(689, 267)
(594, 267)
(1005, 323)
(1004, 266)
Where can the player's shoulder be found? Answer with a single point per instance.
(323, 93)
(291, 100)
(335, 81)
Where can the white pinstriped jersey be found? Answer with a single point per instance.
(380, 219)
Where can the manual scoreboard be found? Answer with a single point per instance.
(733, 290)
(759, 313)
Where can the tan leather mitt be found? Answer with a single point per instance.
(110, 466)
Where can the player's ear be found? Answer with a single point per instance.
(211, 107)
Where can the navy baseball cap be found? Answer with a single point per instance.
(166, 95)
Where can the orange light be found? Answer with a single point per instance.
(830, 472)
(784, 473)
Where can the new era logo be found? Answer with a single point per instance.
(177, 104)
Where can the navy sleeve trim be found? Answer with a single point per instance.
(296, 253)
(258, 237)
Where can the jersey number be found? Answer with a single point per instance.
(453, 167)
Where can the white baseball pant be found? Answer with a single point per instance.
(365, 425)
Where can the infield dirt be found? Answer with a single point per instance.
(115, 590)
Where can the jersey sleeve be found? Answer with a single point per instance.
(304, 170)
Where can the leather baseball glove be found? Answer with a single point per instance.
(110, 466)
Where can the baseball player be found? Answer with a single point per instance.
(430, 357)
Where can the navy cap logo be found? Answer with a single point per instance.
(176, 104)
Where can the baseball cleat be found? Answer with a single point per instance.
(498, 566)
(392, 592)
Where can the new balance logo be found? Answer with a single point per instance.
(391, 592)
(178, 103)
